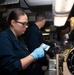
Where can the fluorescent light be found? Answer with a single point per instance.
(47, 30)
(60, 20)
(38, 2)
(63, 6)
(45, 33)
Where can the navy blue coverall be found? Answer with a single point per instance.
(11, 51)
(33, 39)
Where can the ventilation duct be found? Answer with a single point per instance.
(63, 6)
(61, 10)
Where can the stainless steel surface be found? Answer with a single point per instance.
(52, 64)
(52, 67)
(50, 72)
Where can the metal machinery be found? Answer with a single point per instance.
(65, 62)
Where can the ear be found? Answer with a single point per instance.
(44, 19)
(13, 22)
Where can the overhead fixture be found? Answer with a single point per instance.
(63, 6)
(60, 20)
(61, 10)
(38, 2)
(47, 30)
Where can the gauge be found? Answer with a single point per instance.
(70, 61)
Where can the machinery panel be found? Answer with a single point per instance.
(65, 62)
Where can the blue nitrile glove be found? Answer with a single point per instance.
(39, 52)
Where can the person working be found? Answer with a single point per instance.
(34, 38)
(15, 58)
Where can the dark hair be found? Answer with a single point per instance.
(15, 15)
(40, 16)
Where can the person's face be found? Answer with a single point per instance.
(20, 25)
(43, 22)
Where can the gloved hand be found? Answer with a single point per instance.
(39, 52)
